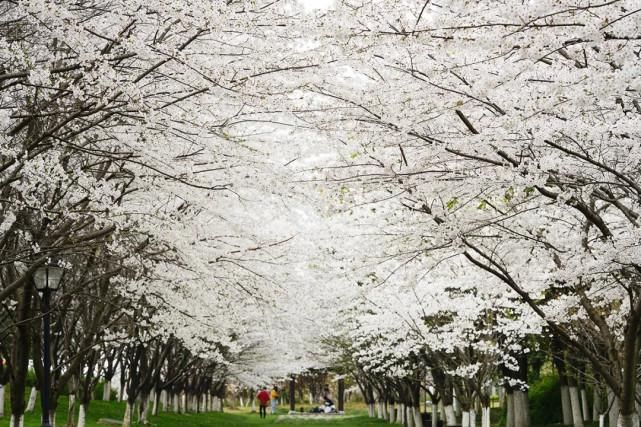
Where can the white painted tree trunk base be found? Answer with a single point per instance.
(31, 404)
(418, 419)
(465, 419)
(631, 420)
(566, 406)
(613, 404)
(1, 401)
(575, 402)
(485, 417)
(585, 405)
(409, 419)
(163, 400)
(82, 415)
(521, 409)
(472, 418)
(596, 404)
(129, 410)
(509, 401)
(370, 410)
(450, 415)
(106, 391)
(16, 422)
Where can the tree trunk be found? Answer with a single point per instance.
(82, 415)
(129, 412)
(450, 415)
(370, 410)
(465, 418)
(409, 418)
(521, 409)
(613, 404)
(485, 417)
(509, 401)
(577, 417)
(630, 420)
(156, 408)
(418, 419)
(457, 405)
(596, 403)
(16, 421)
(71, 410)
(585, 405)
(174, 401)
(435, 416)
(392, 413)
(472, 418)
(31, 404)
(566, 406)
(106, 390)
(1, 401)
(143, 408)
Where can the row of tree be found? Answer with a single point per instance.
(492, 166)
(119, 162)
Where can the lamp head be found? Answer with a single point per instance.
(48, 277)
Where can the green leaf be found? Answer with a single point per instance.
(452, 203)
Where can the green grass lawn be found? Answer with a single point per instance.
(230, 418)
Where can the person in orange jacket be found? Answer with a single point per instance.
(274, 396)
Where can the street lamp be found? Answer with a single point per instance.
(47, 279)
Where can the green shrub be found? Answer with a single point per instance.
(545, 401)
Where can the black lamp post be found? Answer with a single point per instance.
(47, 279)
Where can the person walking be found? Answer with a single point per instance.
(274, 395)
(263, 401)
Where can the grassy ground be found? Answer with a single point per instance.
(231, 417)
(356, 417)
